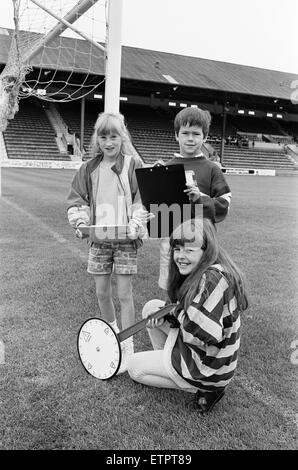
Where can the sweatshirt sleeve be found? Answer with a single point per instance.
(217, 205)
(204, 317)
(136, 198)
(78, 210)
(78, 194)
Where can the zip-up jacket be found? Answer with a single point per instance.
(81, 200)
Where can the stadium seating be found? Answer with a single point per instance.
(256, 125)
(30, 135)
(291, 128)
(144, 117)
(71, 114)
(151, 131)
(216, 127)
(242, 157)
(154, 144)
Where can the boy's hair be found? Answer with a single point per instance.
(108, 123)
(193, 117)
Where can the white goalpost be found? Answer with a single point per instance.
(112, 50)
(39, 50)
(62, 24)
(113, 57)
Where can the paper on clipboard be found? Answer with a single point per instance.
(189, 176)
(101, 233)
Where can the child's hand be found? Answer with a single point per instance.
(78, 216)
(172, 320)
(154, 322)
(132, 230)
(159, 163)
(79, 234)
(142, 216)
(193, 192)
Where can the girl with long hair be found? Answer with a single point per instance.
(104, 192)
(196, 347)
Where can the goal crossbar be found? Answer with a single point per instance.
(62, 25)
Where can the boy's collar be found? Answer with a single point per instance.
(196, 156)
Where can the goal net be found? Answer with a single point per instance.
(57, 52)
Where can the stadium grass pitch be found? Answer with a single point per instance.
(48, 401)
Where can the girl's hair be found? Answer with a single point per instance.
(203, 233)
(193, 117)
(106, 124)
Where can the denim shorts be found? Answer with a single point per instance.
(103, 257)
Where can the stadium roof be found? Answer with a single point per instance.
(163, 68)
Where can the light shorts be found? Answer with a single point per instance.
(106, 255)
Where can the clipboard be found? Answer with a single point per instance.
(101, 233)
(162, 193)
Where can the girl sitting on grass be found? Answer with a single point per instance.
(198, 353)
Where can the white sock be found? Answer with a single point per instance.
(114, 326)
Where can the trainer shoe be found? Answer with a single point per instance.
(205, 401)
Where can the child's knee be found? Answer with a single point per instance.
(124, 290)
(103, 288)
(152, 306)
(125, 296)
(104, 295)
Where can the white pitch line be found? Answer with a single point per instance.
(63, 241)
(272, 402)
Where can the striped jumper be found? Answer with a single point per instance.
(203, 351)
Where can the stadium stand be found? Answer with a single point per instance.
(291, 128)
(71, 114)
(216, 127)
(154, 144)
(251, 158)
(151, 131)
(30, 135)
(139, 116)
(147, 79)
(255, 125)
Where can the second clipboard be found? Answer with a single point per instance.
(162, 193)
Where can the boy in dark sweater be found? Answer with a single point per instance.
(209, 187)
